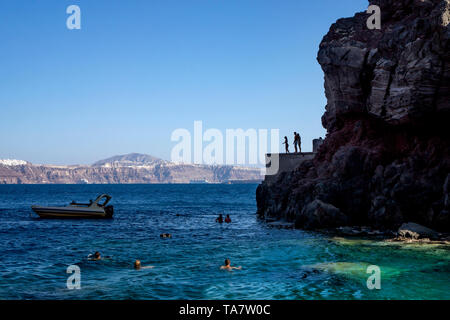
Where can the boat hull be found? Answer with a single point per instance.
(71, 213)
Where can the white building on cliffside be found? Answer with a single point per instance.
(12, 162)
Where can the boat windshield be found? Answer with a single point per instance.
(99, 199)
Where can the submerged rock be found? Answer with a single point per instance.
(352, 268)
(355, 270)
(386, 157)
(359, 231)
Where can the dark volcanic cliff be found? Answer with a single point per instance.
(386, 157)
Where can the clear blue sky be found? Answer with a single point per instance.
(138, 69)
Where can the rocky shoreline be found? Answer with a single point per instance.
(407, 233)
(386, 157)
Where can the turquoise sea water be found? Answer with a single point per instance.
(276, 264)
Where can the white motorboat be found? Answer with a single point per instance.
(93, 209)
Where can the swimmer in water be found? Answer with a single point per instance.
(96, 256)
(228, 219)
(219, 219)
(138, 266)
(228, 266)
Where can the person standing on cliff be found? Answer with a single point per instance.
(295, 141)
(286, 143)
(299, 143)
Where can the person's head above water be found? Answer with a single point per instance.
(138, 266)
(228, 266)
(97, 255)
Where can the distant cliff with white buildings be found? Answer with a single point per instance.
(124, 169)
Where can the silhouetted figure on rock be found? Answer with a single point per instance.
(286, 143)
(299, 142)
(295, 142)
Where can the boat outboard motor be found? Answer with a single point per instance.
(109, 210)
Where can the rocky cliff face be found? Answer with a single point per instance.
(386, 157)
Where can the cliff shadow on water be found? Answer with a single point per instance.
(386, 159)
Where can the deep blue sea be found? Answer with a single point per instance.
(276, 264)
